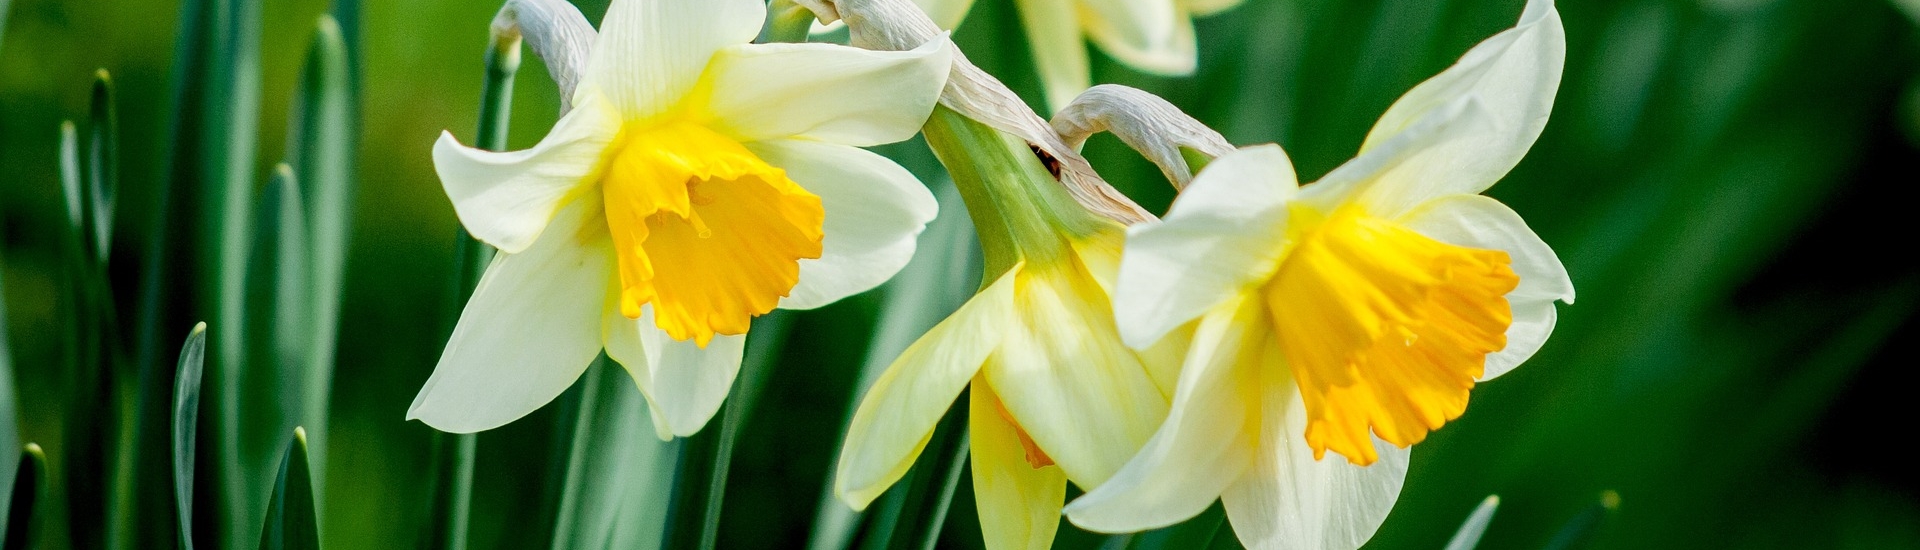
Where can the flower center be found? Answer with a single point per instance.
(1385, 329)
(703, 229)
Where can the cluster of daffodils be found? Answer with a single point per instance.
(1275, 346)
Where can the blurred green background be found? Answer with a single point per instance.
(1721, 177)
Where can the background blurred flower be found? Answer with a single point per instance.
(1155, 36)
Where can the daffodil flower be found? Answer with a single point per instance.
(1056, 395)
(697, 182)
(1353, 315)
(1155, 36)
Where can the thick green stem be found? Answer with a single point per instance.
(1020, 210)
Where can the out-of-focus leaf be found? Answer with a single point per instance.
(103, 166)
(942, 275)
(1579, 530)
(9, 416)
(613, 456)
(290, 521)
(278, 299)
(29, 492)
(72, 184)
(210, 197)
(1195, 532)
(700, 484)
(321, 144)
(1476, 525)
(186, 427)
(909, 515)
(86, 478)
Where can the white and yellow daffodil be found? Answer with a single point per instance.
(699, 181)
(1353, 315)
(1056, 395)
(1155, 36)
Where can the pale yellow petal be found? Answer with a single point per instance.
(1019, 504)
(899, 412)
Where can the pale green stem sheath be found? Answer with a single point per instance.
(1020, 211)
(786, 22)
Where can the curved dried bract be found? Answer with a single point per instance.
(900, 25)
(556, 31)
(1145, 122)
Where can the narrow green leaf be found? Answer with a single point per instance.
(71, 186)
(940, 277)
(29, 489)
(87, 309)
(613, 455)
(911, 514)
(9, 422)
(1469, 534)
(271, 393)
(186, 425)
(1580, 529)
(224, 177)
(321, 147)
(290, 521)
(700, 486)
(1195, 532)
(103, 166)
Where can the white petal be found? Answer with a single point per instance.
(1481, 222)
(1222, 235)
(827, 92)
(531, 328)
(1062, 372)
(622, 340)
(690, 382)
(1514, 75)
(1286, 499)
(875, 211)
(507, 199)
(1155, 36)
(1204, 444)
(651, 52)
(1053, 35)
(899, 412)
(945, 13)
(1406, 156)
(1019, 505)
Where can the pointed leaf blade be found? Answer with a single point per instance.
(290, 522)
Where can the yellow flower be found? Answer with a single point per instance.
(1353, 315)
(1056, 395)
(1155, 36)
(699, 181)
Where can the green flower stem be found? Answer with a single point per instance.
(1019, 210)
(786, 22)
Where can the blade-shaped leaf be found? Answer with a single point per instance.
(321, 147)
(700, 486)
(614, 456)
(932, 285)
(103, 166)
(1470, 531)
(290, 522)
(1580, 529)
(271, 394)
(9, 423)
(29, 491)
(186, 423)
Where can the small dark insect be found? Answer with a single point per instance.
(1047, 160)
